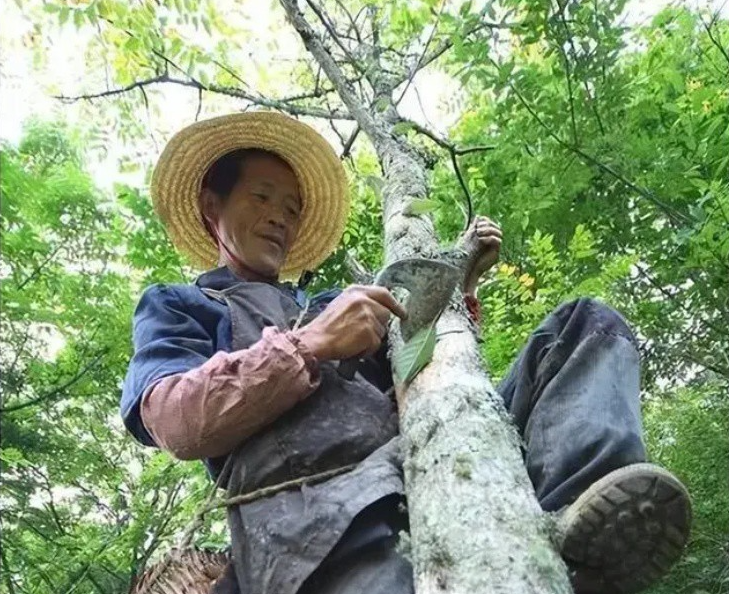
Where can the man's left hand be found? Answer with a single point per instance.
(488, 234)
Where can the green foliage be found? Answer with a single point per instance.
(517, 298)
(629, 144)
(362, 237)
(83, 505)
(687, 432)
(608, 176)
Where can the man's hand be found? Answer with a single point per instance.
(488, 235)
(352, 325)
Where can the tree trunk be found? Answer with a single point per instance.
(476, 525)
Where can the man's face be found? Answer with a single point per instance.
(260, 218)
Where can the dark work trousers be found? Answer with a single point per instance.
(573, 392)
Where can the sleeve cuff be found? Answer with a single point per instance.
(311, 362)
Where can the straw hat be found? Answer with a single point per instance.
(177, 179)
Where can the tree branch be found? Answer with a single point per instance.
(329, 26)
(322, 55)
(443, 143)
(453, 153)
(159, 530)
(199, 103)
(221, 90)
(273, 489)
(416, 66)
(352, 21)
(721, 331)
(35, 272)
(350, 141)
(592, 99)
(58, 391)
(11, 369)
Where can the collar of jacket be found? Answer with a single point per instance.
(222, 278)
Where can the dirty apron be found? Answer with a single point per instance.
(279, 541)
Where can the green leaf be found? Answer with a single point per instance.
(376, 183)
(415, 354)
(382, 104)
(402, 127)
(420, 207)
(12, 457)
(78, 18)
(206, 25)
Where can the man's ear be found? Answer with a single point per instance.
(209, 205)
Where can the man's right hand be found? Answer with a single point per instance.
(352, 325)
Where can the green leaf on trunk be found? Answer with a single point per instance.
(419, 207)
(415, 354)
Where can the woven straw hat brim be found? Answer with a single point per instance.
(177, 181)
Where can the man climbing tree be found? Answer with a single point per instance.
(593, 132)
(241, 370)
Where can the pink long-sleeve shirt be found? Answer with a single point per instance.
(207, 411)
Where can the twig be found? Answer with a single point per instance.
(448, 43)
(348, 145)
(416, 67)
(194, 525)
(149, 117)
(352, 21)
(35, 272)
(302, 315)
(199, 104)
(6, 572)
(16, 358)
(230, 71)
(273, 489)
(326, 21)
(464, 186)
(714, 40)
(333, 71)
(57, 391)
(81, 574)
(454, 152)
(568, 73)
(209, 506)
(672, 298)
(443, 143)
(159, 529)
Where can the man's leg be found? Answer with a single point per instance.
(574, 395)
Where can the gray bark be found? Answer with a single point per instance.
(476, 525)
